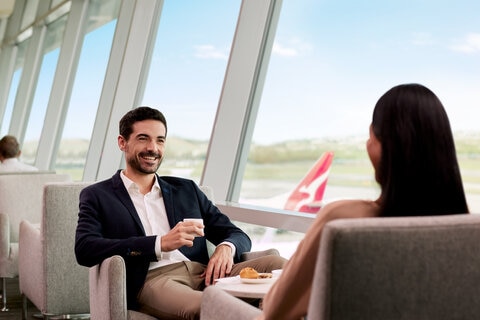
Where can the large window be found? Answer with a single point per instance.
(11, 99)
(14, 85)
(186, 75)
(331, 61)
(87, 88)
(43, 89)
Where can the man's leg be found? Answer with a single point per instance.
(262, 264)
(173, 292)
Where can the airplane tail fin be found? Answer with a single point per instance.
(308, 194)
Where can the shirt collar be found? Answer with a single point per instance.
(130, 185)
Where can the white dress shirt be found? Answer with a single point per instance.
(151, 210)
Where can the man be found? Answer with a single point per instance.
(9, 156)
(140, 216)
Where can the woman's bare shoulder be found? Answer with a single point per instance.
(350, 209)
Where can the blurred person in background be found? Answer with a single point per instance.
(10, 156)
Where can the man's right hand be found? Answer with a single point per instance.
(181, 235)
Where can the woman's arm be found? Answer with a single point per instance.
(289, 296)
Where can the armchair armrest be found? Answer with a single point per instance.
(219, 305)
(29, 255)
(108, 292)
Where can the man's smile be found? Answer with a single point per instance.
(149, 156)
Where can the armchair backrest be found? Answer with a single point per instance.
(398, 268)
(66, 281)
(21, 197)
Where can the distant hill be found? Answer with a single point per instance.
(69, 148)
(346, 149)
(285, 161)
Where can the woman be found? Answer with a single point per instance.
(412, 150)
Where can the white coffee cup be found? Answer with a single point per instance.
(197, 221)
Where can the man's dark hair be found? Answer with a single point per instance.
(139, 114)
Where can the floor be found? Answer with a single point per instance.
(14, 303)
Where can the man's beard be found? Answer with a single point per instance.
(135, 163)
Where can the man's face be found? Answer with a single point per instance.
(145, 147)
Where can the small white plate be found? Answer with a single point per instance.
(256, 281)
(277, 272)
(228, 280)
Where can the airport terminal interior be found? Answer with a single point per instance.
(261, 97)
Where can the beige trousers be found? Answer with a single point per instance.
(175, 291)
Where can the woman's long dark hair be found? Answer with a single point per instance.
(418, 170)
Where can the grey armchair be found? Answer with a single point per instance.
(20, 198)
(385, 268)
(108, 300)
(49, 275)
(399, 268)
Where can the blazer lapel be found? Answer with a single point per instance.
(167, 194)
(122, 194)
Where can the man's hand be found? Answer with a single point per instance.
(181, 235)
(220, 264)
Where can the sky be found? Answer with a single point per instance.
(342, 56)
(331, 61)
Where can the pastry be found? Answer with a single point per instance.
(249, 273)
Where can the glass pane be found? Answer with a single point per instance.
(43, 89)
(186, 75)
(7, 117)
(331, 62)
(12, 95)
(87, 89)
(264, 238)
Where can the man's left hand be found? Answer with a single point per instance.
(220, 264)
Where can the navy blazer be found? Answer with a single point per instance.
(108, 225)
